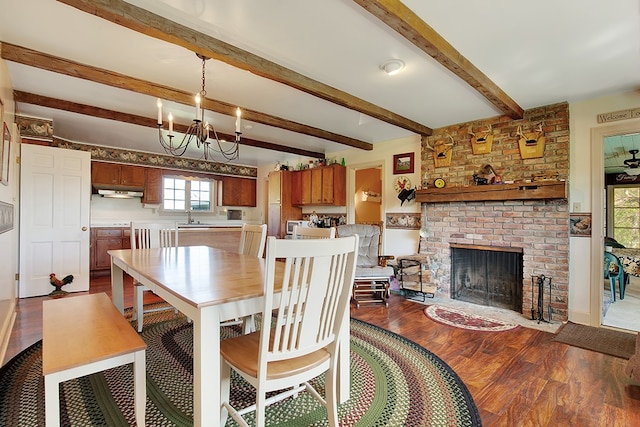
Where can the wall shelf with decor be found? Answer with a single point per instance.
(496, 192)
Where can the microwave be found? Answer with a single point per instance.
(292, 223)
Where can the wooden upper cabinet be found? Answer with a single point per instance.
(113, 175)
(238, 191)
(153, 186)
(321, 186)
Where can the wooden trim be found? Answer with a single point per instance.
(44, 61)
(487, 248)
(496, 192)
(150, 24)
(409, 25)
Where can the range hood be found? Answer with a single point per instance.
(120, 194)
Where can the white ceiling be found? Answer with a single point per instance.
(538, 53)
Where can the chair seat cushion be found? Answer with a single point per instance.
(375, 271)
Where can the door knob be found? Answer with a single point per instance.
(84, 228)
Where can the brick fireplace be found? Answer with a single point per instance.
(538, 226)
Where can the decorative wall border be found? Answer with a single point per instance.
(117, 155)
(404, 220)
(6, 217)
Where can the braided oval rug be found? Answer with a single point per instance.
(394, 382)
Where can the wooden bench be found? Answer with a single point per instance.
(82, 335)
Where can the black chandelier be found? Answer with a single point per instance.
(201, 131)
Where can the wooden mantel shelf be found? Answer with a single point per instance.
(495, 192)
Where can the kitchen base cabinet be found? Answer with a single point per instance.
(104, 239)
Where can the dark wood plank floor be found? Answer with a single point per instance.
(517, 378)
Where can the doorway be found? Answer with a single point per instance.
(621, 314)
(367, 201)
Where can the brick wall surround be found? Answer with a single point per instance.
(539, 227)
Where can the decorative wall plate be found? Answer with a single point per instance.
(401, 183)
(439, 183)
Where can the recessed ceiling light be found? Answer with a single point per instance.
(392, 66)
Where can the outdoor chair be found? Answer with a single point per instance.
(305, 313)
(372, 278)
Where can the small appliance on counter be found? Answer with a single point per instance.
(293, 223)
(234, 214)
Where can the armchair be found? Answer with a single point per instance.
(372, 277)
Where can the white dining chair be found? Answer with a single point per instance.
(301, 325)
(252, 241)
(148, 235)
(313, 233)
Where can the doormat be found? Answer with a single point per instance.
(603, 340)
(459, 319)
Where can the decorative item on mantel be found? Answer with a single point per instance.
(442, 152)
(531, 143)
(481, 143)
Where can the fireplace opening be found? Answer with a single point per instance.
(485, 275)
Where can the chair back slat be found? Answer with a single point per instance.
(314, 295)
(313, 233)
(147, 235)
(252, 240)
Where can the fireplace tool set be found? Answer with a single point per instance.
(537, 313)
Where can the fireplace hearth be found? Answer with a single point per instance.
(486, 275)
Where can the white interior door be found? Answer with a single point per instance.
(55, 197)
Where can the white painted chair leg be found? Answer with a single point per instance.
(138, 305)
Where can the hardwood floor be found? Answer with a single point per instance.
(517, 378)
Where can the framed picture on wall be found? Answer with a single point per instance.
(4, 164)
(580, 224)
(403, 163)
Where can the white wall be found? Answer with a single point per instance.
(584, 302)
(9, 194)
(396, 241)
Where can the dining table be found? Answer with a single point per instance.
(208, 286)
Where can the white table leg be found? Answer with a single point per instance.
(117, 287)
(206, 366)
(140, 386)
(51, 401)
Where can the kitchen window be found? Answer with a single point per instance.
(625, 215)
(180, 194)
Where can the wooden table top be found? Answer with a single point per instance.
(80, 329)
(199, 275)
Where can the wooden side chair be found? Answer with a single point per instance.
(313, 233)
(309, 302)
(147, 235)
(373, 276)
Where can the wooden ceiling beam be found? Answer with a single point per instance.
(409, 25)
(55, 64)
(59, 104)
(140, 20)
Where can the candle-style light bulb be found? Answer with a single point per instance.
(170, 124)
(159, 104)
(198, 106)
(238, 115)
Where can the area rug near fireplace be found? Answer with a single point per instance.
(394, 382)
(459, 319)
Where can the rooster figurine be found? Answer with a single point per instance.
(58, 284)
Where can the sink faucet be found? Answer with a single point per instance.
(189, 219)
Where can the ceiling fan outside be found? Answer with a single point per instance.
(632, 165)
